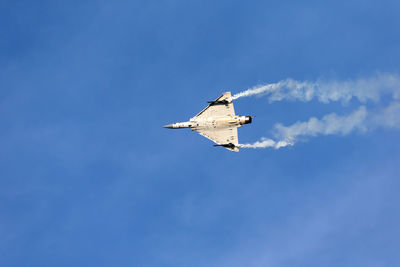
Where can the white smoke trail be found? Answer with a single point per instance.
(388, 117)
(360, 120)
(329, 124)
(370, 88)
(266, 142)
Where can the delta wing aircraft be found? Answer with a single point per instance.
(217, 122)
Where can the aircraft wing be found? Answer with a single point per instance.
(222, 106)
(222, 136)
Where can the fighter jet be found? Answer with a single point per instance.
(217, 122)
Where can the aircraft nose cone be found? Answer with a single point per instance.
(169, 126)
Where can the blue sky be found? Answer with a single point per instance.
(88, 177)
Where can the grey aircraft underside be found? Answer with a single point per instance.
(217, 122)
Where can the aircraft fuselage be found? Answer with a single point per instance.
(216, 122)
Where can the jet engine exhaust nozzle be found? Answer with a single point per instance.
(248, 119)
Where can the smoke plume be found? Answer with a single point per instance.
(365, 90)
(370, 88)
(360, 120)
(266, 142)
